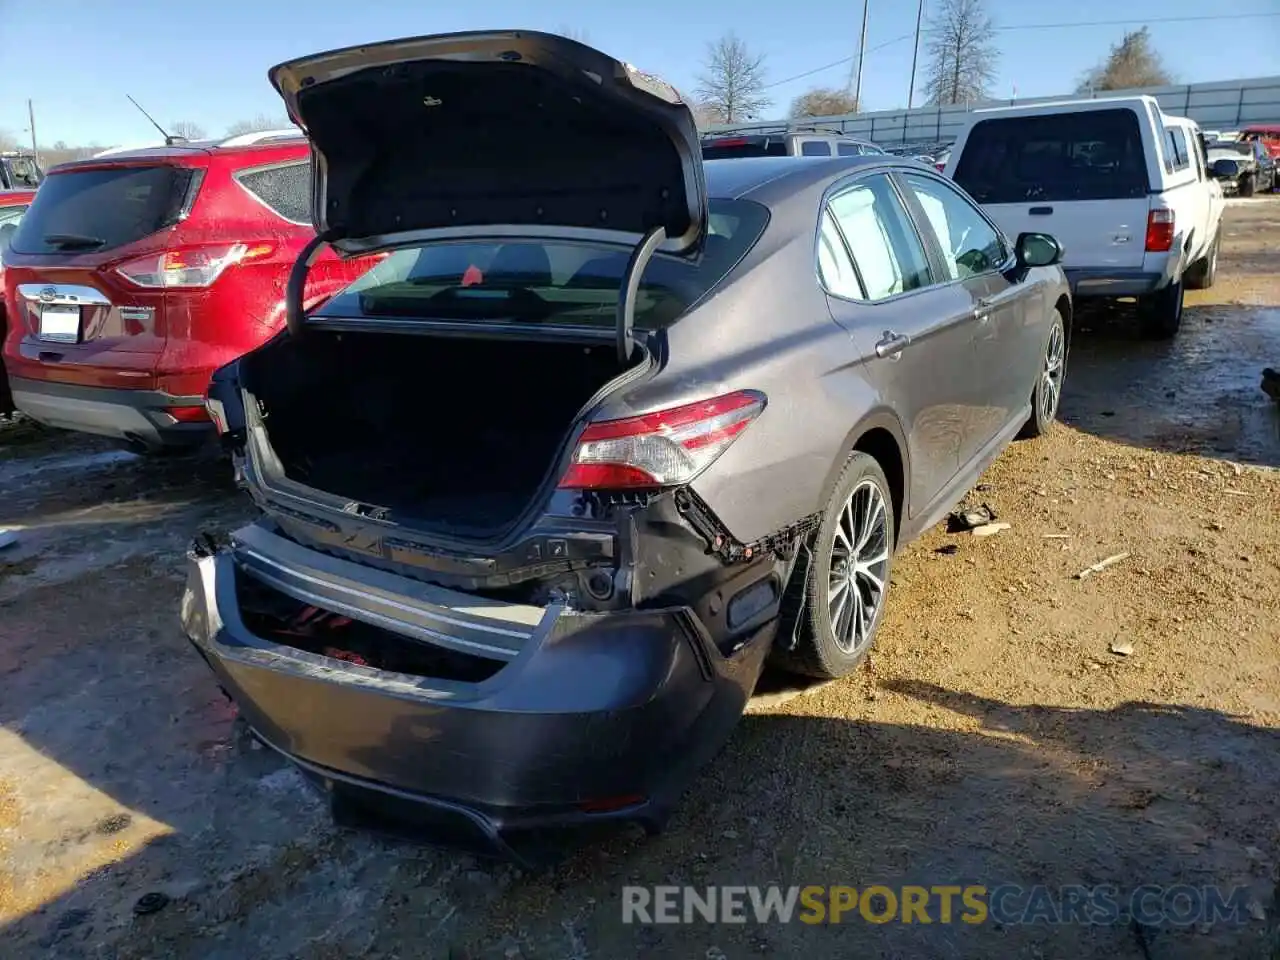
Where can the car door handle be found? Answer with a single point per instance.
(982, 311)
(891, 345)
(1040, 211)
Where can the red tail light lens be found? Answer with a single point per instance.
(193, 266)
(1159, 231)
(188, 414)
(660, 449)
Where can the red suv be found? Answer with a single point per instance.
(134, 275)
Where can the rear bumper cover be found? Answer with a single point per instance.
(1114, 283)
(135, 415)
(594, 716)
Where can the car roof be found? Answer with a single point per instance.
(737, 178)
(274, 139)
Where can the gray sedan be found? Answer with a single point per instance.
(607, 429)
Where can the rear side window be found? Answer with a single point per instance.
(568, 284)
(1090, 155)
(815, 148)
(1176, 155)
(743, 147)
(285, 189)
(885, 246)
(83, 211)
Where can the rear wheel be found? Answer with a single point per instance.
(842, 598)
(1204, 272)
(1160, 313)
(1246, 186)
(1048, 391)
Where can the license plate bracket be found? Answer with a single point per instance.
(60, 323)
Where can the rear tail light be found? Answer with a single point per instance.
(1159, 231)
(192, 266)
(660, 449)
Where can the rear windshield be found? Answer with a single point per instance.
(563, 283)
(1091, 155)
(743, 147)
(90, 210)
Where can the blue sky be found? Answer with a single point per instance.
(207, 63)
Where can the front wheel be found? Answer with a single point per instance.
(1048, 390)
(1246, 186)
(842, 599)
(1160, 313)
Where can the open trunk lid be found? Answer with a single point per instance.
(494, 133)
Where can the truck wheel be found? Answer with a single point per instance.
(1204, 271)
(843, 595)
(1160, 313)
(1246, 186)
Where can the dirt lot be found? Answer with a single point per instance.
(994, 738)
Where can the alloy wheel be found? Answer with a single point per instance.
(1051, 375)
(859, 566)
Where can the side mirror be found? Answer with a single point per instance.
(1225, 169)
(1037, 250)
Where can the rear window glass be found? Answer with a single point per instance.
(743, 147)
(1091, 155)
(563, 283)
(90, 210)
(285, 189)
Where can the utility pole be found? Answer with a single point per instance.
(915, 56)
(862, 52)
(31, 118)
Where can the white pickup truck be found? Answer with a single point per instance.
(1123, 187)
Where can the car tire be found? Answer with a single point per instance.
(833, 630)
(1204, 271)
(1160, 313)
(1246, 186)
(1047, 394)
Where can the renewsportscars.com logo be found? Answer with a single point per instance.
(1007, 904)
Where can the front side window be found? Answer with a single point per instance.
(555, 282)
(879, 233)
(970, 245)
(848, 150)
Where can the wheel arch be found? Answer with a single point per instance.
(881, 437)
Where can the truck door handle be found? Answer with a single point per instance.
(1040, 211)
(891, 345)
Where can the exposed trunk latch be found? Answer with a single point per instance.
(640, 257)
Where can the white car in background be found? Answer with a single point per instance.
(1125, 188)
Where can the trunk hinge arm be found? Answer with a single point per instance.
(295, 290)
(640, 257)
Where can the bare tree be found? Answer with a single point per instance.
(8, 141)
(187, 130)
(823, 102)
(962, 53)
(1131, 63)
(260, 122)
(731, 86)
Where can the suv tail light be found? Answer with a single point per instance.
(660, 449)
(1159, 231)
(191, 266)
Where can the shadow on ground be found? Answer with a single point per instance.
(1199, 393)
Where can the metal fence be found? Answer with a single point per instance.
(1222, 105)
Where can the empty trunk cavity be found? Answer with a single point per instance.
(452, 434)
(280, 618)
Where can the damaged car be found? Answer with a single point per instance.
(609, 429)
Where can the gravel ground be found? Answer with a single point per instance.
(994, 737)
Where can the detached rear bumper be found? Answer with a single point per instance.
(137, 416)
(587, 717)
